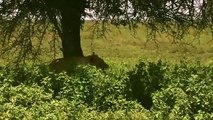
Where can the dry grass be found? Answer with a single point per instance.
(122, 45)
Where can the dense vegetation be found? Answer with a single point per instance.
(176, 91)
(36, 31)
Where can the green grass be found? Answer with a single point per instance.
(122, 45)
(180, 91)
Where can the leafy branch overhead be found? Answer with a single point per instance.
(24, 23)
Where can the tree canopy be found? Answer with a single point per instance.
(22, 21)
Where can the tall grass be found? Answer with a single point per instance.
(123, 45)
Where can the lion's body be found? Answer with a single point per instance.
(64, 64)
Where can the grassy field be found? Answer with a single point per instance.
(122, 45)
(148, 91)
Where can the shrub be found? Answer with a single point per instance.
(180, 91)
(87, 93)
(32, 102)
(91, 86)
(189, 94)
(145, 79)
(85, 85)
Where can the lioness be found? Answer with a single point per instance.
(64, 64)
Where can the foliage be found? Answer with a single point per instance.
(188, 95)
(25, 24)
(30, 102)
(86, 85)
(177, 91)
(145, 79)
(37, 93)
(180, 91)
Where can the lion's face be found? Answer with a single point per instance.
(95, 60)
(64, 64)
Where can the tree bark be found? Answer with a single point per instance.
(70, 24)
(71, 12)
(71, 45)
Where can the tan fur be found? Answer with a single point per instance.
(64, 64)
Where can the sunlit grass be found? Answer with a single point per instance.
(123, 45)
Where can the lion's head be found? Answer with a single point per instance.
(95, 60)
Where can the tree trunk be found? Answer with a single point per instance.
(71, 23)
